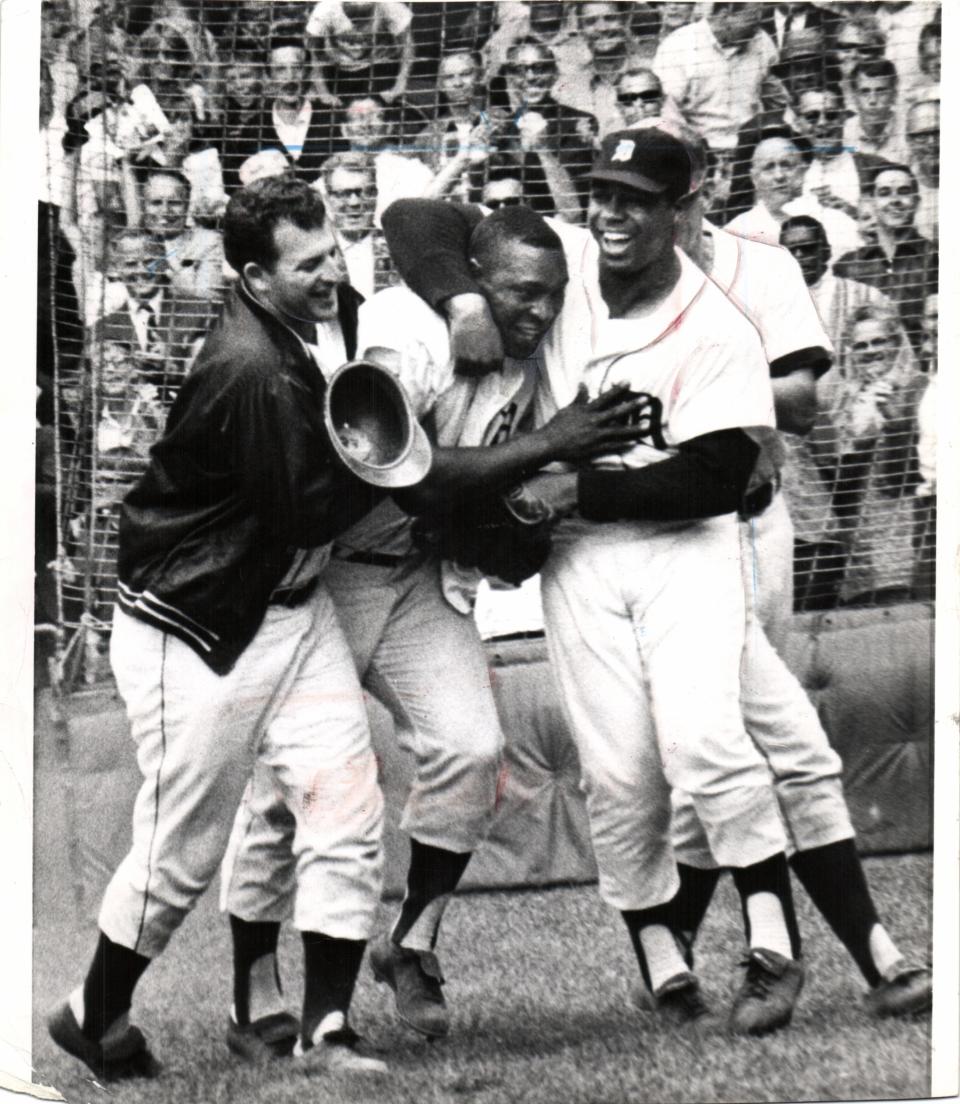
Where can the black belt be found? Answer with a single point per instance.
(371, 559)
(294, 596)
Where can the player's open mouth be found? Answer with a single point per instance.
(613, 242)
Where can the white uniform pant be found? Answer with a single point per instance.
(778, 715)
(645, 629)
(293, 703)
(425, 662)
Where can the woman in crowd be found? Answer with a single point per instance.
(866, 438)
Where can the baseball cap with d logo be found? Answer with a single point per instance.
(648, 159)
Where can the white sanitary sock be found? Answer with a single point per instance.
(663, 956)
(768, 928)
(883, 950)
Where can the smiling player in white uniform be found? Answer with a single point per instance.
(407, 619)
(766, 285)
(645, 617)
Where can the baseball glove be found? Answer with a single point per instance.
(505, 536)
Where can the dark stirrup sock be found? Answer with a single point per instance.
(769, 876)
(252, 939)
(693, 900)
(433, 876)
(664, 915)
(109, 985)
(330, 968)
(833, 877)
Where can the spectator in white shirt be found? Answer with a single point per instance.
(591, 86)
(713, 69)
(877, 127)
(923, 138)
(350, 191)
(777, 172)
(836, 175)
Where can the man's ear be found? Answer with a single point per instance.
(255, 276)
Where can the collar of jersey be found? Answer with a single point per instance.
(622, 335)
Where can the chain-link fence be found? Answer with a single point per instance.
(820, 132)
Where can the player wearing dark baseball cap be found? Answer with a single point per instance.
(647, 160)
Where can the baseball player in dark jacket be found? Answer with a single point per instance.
(216, 646)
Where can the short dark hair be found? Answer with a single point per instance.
(516, 224)
(803, 222)
(283, 37)
(168, 174)
(877, 67)
(828, 88)
(621, 7)
(255, 211)
(529, 40)
(928, 31)
(869, 185)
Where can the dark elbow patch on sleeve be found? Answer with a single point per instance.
(816, 358)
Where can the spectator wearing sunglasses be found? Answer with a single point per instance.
(900, 261)
(504, 186)
(553, 142)
(640, 97)
(836, 175)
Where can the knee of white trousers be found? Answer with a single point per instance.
(815, 811)
(258, 873)
(690, 843)
(454, 794)
(339, 857)
(742, 826)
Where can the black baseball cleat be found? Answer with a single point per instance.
(906, 990)
(126, 1056)
(679, 1001)
(766, 1000)
(264, 1040)
(416, 980)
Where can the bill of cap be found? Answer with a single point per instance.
(631, 179)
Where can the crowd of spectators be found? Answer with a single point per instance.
(821, 122)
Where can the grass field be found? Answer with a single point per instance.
(538, 983)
